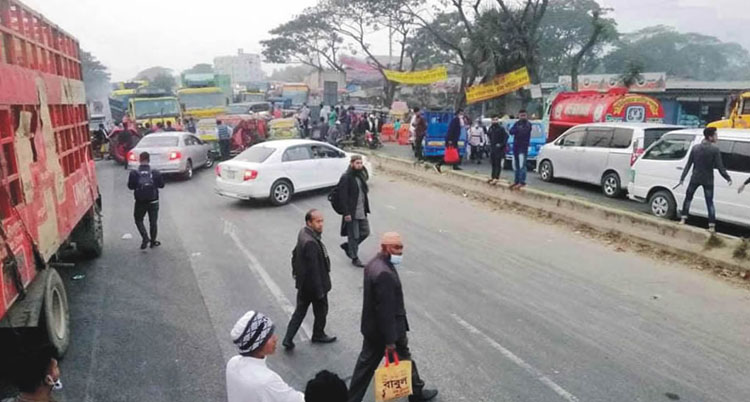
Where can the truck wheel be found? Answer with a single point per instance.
(89, 234)
(55, 317)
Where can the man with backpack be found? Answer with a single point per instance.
(145, 184)
(349, 199)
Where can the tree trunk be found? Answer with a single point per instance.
(574, 77)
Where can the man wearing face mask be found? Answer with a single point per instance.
(384, 323)
(36, 375)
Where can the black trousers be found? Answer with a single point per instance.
(369, 360)
(497, 159)
(224, 147)
(418, 148)
(152, 209)
(320, 310)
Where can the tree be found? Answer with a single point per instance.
(151, 73)
(166, 82)
(632, 74)
(599, 30)
(201, 68)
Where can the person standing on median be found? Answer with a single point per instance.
(145, 184)
(420, 131)
(703, 159)
(352, 189)
(521, 132)
(498, 142)
(311, 270)
(384, 323)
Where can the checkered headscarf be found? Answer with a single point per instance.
(251, 332)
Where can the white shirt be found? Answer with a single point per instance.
(250, 380)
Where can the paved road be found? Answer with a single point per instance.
(501, 308)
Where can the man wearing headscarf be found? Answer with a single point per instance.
(248, 377)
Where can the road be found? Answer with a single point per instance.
(502, 308)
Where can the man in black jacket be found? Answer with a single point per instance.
(145, 184)
(384, 323)
(352, 189)
(311, 271)
(704, 158)
(498, 142)
(452, 137)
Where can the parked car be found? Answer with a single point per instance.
(278, 169)
(654, 177)
(261, 108)
(173, 153)
(599, 153)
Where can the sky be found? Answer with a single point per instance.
(131, 35)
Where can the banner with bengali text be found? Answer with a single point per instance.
(422, 77)
(500, 85)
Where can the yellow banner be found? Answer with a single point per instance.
(500, 85)
(418, 77)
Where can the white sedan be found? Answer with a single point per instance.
(278, 169)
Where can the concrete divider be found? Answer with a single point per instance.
(718, 251)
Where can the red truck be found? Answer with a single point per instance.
(49, 198)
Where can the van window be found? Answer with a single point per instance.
(573, 138)
(651, 135)
(622, 138)
(598, 138)
(739, 161)
(672, 147)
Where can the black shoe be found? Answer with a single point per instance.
(288, 345)
(144, 244)
(437, 168)
(357, 263)
(323, 339)
(155, 243)
(426, 395)
(345, 247)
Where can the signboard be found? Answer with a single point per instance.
(422, 77)
(649, 82)
(499, 86)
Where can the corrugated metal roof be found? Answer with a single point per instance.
(708, 85)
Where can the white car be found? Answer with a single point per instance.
(278, 169)
(654, 177)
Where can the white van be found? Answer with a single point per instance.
(599, 153)
(655, 176)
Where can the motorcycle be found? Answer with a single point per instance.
(372, 140)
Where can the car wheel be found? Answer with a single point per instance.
(281, 192)
(611, 185)
(663, 205)
(188, 170)
(546, 171)
(209, 160)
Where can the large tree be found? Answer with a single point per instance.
(166, 82)
(151, 73)
(200, 68)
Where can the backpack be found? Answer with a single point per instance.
(146, 189)
(335, 199)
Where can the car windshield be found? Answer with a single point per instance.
(237, 109)
(255, 154)
(202, 100)
(156, 108)
(158, 141)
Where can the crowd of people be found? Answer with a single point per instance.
(337, 124)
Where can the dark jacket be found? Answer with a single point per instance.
(454, 132)
(383, 312)
(133, 178)
(349, 192)
(521, 132)
(420, 127)
(498, 138)
(704, 158)
(311, 266)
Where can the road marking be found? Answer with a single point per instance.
(295, 206)
(256, 267)
(518, 361)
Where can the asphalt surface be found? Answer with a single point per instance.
(502, 308)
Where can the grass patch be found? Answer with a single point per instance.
(741, 252)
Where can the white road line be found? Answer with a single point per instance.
(295, 206)
(518, 361)
(258, 269)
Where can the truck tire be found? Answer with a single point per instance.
(89, 234)
(55, 317)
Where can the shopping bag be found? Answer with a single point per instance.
(393, 380)
(451, 155)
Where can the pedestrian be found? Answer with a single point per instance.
(397, 126)
(477, 139)
(334, 134)
(191, 126)
(333, 117)
(36, 375)
(703, 159)
(145, 184)
(225, 135)
(352, 189)
(248, 377)
(326, 387)
(323, 129)
(384, 324)
(521, 132)
(160, 127)
(311, 269)
(452, 137)
(304, 118)
(169, 126)
(126, 138)
(498, 143)
(420, 131)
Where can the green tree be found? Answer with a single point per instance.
(632, 74)
(200, 68)
(151, 73)
(166, 82)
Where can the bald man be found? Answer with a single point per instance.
(384, 323)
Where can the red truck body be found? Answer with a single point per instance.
(47, 176)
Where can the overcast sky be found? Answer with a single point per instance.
(131, 35)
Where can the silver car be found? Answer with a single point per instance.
(173, 153)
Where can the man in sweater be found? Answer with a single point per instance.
(521, 132)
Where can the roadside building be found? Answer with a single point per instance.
(243, 67)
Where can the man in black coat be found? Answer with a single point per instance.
(352, 189)
(498, 142)
(311, 271)
(384, 323)
(452, 137)
(145, 184)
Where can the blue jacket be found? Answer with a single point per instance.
(454, 132)
(521, 132)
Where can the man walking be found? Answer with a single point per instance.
(145, 184)
(420, 131)
(521, 132)
(452, 137)
(384, 323)
(225, 135)
(352, 189)
(704, 158)
(311, 269)
(498, 142)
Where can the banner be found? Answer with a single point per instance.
(499, 86)
(418, 77)
(648, 82)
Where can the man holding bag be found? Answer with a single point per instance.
(451, 143)
(384, 323)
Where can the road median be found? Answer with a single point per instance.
(724, 254)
